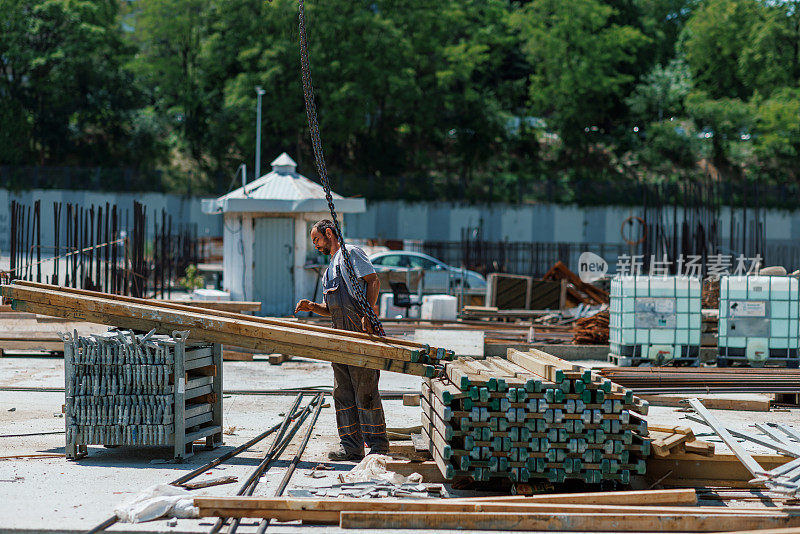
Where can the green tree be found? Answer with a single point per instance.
(65, 95)
(713, 42)
(661, 92)
(770, 58)
(578, 60)
(723, 118)
(777, 133)
(169, 36)
(663, 21)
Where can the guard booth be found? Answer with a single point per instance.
(266, 242)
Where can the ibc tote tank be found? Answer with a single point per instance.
(654, 319)
(758, 320)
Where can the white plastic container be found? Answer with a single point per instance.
(758, 318)
(439, 308)
(654, 318)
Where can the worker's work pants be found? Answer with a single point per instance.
(359, 414)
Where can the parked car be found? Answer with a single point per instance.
(438, 275)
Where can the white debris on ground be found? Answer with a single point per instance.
(373, 467)
(161, 500)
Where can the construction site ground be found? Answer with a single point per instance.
(51, 494)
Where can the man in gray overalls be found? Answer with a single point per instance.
(359, 413)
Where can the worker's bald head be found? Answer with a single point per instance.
(323, 235)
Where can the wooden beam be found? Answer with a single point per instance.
(220, 335)
(641, 498)
(693, 470)
(590, 522)
(244, 325)
(220, 313)
(264, 506)
(679, 401)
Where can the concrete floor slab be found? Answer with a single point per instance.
(54, 495)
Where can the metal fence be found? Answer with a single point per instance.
(535, 259)
(531, 259)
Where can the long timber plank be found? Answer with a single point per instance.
(223, 313)
(205, 319)
(221, 336)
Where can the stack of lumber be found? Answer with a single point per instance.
(666, 441)
(532, 416)
(592, 330)
(700, 380)
(578, 291)
(267, 335)
(638, 511)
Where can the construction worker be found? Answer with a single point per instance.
(359, 413)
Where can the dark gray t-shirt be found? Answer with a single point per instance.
(361, 265)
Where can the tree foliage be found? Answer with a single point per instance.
(474, 99)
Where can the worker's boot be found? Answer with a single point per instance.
(341, 455)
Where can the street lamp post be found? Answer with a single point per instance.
(260, 92)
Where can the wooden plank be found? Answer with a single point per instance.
(218, 313)
(411, 399)
(794, 530)
(699, 447)
(692, 470)
(233, 306)
(237, 356)
(23, 345)
(679, 401)
(226, 338)
(589, 522)
(640, 497)
(537, 367)
(255, 505)
(192, 318)
(277, 359)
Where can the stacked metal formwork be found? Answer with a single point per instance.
(532, 416)
(146, 389)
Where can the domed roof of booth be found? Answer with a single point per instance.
(282, 190)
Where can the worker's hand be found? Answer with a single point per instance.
(366, 325)
(304, 305)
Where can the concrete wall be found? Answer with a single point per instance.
(431, 221)
(545, 223)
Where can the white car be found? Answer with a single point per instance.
(438, 275)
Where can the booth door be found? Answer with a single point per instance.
(273, 261)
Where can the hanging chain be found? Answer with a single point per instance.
(316, 142)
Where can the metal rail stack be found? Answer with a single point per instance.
(128, 389)
(532, 416)
(701, 380)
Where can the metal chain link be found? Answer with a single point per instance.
(319, 160)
